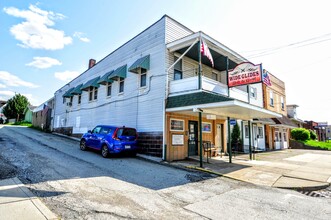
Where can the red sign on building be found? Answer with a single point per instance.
(244, 73)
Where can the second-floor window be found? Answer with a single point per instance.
(282, 102)
(178, 72)
(95, 93)
(71, 99)
(79, 99)
(271, 95)
(90, 97)
(143, 78)
(253, 92)
(121, 85)
(109, 89)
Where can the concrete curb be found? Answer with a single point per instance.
(25, 202)
(65, 136)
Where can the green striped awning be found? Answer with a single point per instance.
(91, 83)
(68, 94)
(105, 78)
(120, 72)
(77, 90)
(141, 63)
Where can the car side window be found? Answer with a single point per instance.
(96, 130)
(105, 130)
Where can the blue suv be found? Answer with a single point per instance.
(110, 139)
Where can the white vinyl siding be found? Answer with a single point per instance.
(135, 105)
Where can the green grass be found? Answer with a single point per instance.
(318, 144)
(22, 123)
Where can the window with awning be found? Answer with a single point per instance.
(141, 63)
(120, 72)
(77, 90)
(91, 83)
(68, 93)
(105, 78)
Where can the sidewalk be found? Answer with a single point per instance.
(290, 169)
(17, 202)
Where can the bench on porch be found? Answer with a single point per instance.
(210, 149)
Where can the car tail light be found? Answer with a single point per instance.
(115, 135)
(136, 136)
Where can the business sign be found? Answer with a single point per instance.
(233, 121)
(244, 73)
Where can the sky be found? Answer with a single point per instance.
(45, 44)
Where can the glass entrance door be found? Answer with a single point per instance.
(192, 138)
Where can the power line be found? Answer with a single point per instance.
(303, 43)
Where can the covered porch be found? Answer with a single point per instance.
(203, 117)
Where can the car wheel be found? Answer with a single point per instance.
(83, 145)
(133, 154)
(105, 151)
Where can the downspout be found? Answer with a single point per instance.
(164, 152)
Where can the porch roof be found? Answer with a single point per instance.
(284, 122)
(219, 105)
(219, 51)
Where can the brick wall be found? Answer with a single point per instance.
(151, 143)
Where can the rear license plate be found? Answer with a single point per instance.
(127, 146)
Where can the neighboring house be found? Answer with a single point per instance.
(28, 113)
(292, 114)
(328, 133)
(278, 130)
(161, 84)
(320, 129)
(42, 115)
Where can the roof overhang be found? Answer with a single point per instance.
(233, 109)
(219, 51)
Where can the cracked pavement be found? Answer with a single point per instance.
(83, 185)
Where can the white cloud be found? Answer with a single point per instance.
(66, 75)
(5, 95)
(81, 37)
(32, 100)
(44, 62)
(35, 32)
(11, 80)
(2, 86)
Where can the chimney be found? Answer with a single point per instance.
(91, 63)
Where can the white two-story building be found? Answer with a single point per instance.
(161, 84)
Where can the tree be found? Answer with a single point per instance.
(313, 135)
(235, 136)
(15, 107)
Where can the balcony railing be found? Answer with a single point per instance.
(190, 84)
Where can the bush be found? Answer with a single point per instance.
(313, 135)
(300, 134)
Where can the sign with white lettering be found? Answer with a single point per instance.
(244, 73)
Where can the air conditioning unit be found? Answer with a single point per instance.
(69, 104)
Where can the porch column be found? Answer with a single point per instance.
(200, 136)
(199, 71)
(229, 141)
(249, 139)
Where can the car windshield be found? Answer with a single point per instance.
(96, 130)
(126, 132)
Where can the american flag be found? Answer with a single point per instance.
(206, 52)
(266, 79)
